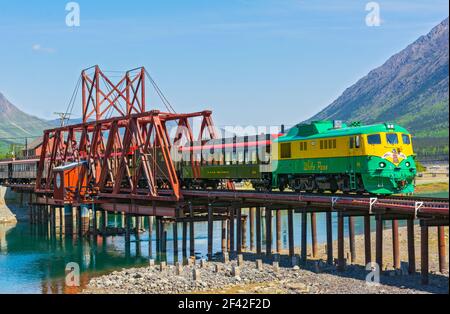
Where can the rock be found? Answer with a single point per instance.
(195, 275)
(259, 264)
(235, 271)
(240, 259)
(276, 266)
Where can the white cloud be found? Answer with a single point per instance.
(40, 48)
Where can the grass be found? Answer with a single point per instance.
(434, 187)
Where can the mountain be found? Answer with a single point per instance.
(411, 89)
(16, 125)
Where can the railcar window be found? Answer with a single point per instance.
(374, 139)
(286, 150)
(406, 139)
(352, 142)
(392, 138)
(357, 141)
(228, 158)
(321, 144)
(334, 143)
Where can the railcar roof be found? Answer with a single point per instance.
(325, 129)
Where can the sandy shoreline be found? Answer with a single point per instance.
(299, 280)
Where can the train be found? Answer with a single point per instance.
(321, 156)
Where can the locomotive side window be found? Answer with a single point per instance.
(392, 138)
(374, 139)
(286, 150)
(303, 146)
(355, 142)
(406, 139)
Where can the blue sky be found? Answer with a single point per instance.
(260, 62)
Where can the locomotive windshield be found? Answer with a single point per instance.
(406, 139)
(374, 139)
(392, 138)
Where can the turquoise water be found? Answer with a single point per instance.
(33, 262)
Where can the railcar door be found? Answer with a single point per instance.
(354, 148)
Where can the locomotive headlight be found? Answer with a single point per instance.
(382, 165)
(407, 164)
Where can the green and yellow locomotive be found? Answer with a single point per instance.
(317, 157)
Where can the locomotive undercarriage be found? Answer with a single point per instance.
(321, 183)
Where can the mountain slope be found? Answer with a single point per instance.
(16, 124)
(411, 88)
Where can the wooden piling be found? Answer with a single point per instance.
(424, 255)
(137, 227)
(164, 241)
(314, 234)
(341, 242)
(268, 231)
(379, 241)
(411, 247)
(175, 241)
(239, 230)
(278, 231)
(232, 230)
(210, 230)
(351, 238)
(291, 232)
(224, 235)
(395, 244)
(441, 249)
(228, 232)
(329, 217)
(304, 236)
(252, 228)
(191, 231)
(367, 240)
(184, 239)
(127, 228)
(150, 236)
(244, 233)
(68, 220)
(258, 231)
(79, 222)
(104, 222)
(158, 238)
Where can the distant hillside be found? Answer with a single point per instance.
(57, 122)
(411, 88)
(16, 125)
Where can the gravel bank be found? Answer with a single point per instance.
(313, 278)
(151, 280)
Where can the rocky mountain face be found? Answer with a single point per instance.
(411, 88)
(16, 124)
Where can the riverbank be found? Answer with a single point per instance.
(6, 215)
(309, 279)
